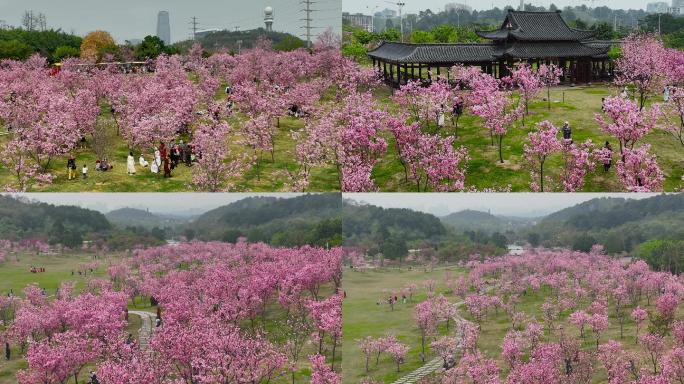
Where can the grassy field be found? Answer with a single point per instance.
(576, 105)
(363, 317)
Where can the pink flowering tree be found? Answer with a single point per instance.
(542, 144)
(321, 373)
(445, 347)
(216, 166)
(642, 64)
(426, 320)
(577, 162)
(599, 324)
(654, 346)
(673, 112)
(398, 352)
(549, 75)
(639, 315)
(639, 170)
(628, 123)
(528, 83)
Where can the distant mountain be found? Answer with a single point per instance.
(619, 224)
(306, 219)
(133, 217)
(469, 220)
(241, 40)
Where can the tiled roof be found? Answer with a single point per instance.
(536, 26)
(479, 53)
(434, 53)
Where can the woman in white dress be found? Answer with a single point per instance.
(440, 117)
(131, 164)
(157, 161)
(143, 163)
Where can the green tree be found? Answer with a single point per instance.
(150, 48)
(391, 34)
(422, 37)
(394, 248)
(289, 43)
(15, 50)
(583, 243)
(533, 239)
(444, 33)
(65, 52)
(356, 51)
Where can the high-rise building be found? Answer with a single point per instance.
(457, 7)
(164, 27)
(268, 18)
(359, 20)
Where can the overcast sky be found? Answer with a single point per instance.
(506, 204)
(413, 6)
(168, 203)
(134, 19)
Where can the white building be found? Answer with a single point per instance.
(515, 250)
(457, 7)
(359, 20)
(657, 7)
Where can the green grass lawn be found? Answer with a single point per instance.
(576, 105)
(363, 317)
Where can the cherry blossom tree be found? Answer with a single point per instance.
(639, 315)
(673, 112)
(628, 123)
(216, 166)
(639, 170)
(642, 65)
(542, 144)
(528, 83)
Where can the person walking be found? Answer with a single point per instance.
(84, 171)
(608, 159)
(130, 161)
(167, 168)
(8, 351)
(567, 132)
(71, 167)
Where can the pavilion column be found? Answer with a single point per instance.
(384, 71)
(420, 71)
(406, 75)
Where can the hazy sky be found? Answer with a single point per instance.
(413, 6)
(508, 204)
(169, 203)
(130, 19)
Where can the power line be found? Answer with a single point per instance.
(193, 27)
(307, 19)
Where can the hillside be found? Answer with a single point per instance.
(22, 219)
(469, 220)
(133, 217)
(236, 40)
(306, 219)
(621, 225)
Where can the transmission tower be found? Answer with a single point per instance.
(307, 20)
(193, 27)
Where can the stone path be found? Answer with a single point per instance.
(145, 332)
(433, 365)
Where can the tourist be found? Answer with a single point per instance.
(130, 161)
(71, 167)
(440, 117)
(567, 132)
(156, 164)
(157, 322)
(8, 351)
(84, 171)
(105, 166)
(456, 112)
(167, 168)
(143, 163)
(625, 93)
(666, 94)
(93, 378)
(608, 159)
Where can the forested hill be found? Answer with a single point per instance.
(307, 219)
(21, 219)
(234, 40)
(620, 225)
(469, 220)
(371, 222)
(134, 217)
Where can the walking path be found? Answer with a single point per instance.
(434, 364)
(145, 332)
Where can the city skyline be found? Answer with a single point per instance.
(130, 20)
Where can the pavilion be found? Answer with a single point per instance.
(532, 37)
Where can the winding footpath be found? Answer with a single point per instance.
(145, 332)
(434, 364)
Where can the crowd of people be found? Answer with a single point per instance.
(165, 160)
